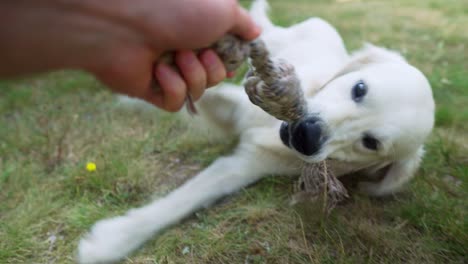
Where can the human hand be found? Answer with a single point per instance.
(120, 43)
(187, 25)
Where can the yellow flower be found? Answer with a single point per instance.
(90, 166)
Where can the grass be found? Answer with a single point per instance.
(51, 125)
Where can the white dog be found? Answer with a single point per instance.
(369, 112)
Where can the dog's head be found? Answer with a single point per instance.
(377, 111)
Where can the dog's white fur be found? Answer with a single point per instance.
(398, 109)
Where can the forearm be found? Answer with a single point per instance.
(120, 41)
(39, 36)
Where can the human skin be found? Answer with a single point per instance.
(120, 42)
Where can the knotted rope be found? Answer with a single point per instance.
(275, 87)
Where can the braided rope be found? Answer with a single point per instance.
(275, 87)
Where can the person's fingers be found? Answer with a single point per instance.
(244, 26)
(214, 67)
(193, 72)
(173, 91)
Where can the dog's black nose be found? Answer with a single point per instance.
(306, 136)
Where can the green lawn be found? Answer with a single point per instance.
(51, 125)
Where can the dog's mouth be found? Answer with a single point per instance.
(307, 136)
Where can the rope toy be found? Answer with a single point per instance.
(275, 87)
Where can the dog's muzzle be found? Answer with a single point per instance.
(305, 136)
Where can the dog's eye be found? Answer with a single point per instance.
(370, 142)
(359, 91)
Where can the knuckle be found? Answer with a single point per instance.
(232, 12)
(226, 11)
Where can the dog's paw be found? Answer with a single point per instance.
(108, 241)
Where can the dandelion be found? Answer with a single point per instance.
(90, 166)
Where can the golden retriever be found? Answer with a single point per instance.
(370, 112)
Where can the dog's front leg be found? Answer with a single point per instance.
(112, 239)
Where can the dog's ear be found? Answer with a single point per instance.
(368, 55)
(396, 174)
